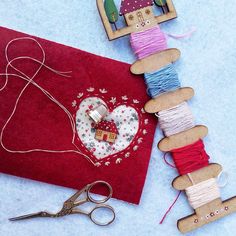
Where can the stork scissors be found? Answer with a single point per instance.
(70, 206)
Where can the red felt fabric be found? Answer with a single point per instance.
(38, 123)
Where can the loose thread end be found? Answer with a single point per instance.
(170, 208)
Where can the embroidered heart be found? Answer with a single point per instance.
(126, 119)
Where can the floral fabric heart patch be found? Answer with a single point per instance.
(127, 119)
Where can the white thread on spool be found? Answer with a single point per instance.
(202, 193)
(176, 119)
(30, 80)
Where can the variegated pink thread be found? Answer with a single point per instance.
(148, 42)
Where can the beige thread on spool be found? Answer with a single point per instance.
(203, 193)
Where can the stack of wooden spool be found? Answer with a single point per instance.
(214, 209)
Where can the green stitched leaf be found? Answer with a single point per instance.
(111, 11)
(160, 3)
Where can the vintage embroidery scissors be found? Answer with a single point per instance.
(71, 205)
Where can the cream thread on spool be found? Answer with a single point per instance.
(176, 119)
(202, 193)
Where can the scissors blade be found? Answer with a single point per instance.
(29, 216)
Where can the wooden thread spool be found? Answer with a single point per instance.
(209, 212)
(168, 100)
(155, 62)
(183, 139)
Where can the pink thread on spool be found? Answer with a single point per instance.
(148, 42)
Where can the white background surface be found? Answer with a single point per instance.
(207, 64)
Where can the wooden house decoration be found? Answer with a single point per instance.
(138, 14)
(106, 131)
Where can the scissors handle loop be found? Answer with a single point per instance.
(97, 219)
(99, 183)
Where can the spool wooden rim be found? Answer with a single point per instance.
(169, 100)
(183, 139)
(212, 171)
(156, 61)
(209, 212)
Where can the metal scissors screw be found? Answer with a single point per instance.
(71, 205)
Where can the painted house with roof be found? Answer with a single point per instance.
(106, 131)
(137, 12)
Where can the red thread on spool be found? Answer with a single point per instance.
(187, 159)
(190, 158)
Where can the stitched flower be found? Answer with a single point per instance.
(125, 98)
(113, 100)
(103, 90)
(74, 103)
(140, 140)
(90, 89)
(118, 160)
(127, 154)
(80, 95)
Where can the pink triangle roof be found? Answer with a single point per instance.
(128, 6)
